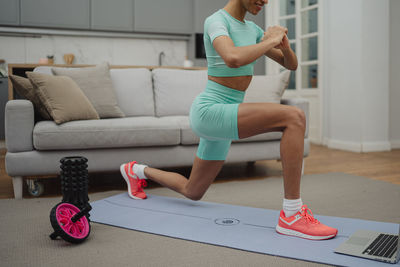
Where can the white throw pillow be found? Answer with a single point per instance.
(267, 88)
(134, 89)
(175, 90)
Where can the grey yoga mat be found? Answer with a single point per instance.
(244, 228)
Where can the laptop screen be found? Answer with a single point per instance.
(398, 246)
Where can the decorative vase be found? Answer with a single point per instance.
(69, 58)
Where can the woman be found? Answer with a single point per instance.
(218, 116)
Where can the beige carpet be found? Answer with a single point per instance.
(25, 225)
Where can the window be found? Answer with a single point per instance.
(304, 23)
(301, 19)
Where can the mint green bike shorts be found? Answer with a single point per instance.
(213, 117)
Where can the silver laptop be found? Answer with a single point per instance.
(372, 245)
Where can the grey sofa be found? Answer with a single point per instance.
(155, 131)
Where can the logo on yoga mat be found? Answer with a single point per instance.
(227, 221)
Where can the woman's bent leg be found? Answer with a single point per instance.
(257, 118)
(201, 177)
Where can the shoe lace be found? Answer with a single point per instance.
(141, 183)
(308, 215)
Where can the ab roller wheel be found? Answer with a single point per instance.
(70, 223)
(70, 218)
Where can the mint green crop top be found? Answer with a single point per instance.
(242, 34)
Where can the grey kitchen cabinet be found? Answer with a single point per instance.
(162, 16)
(203, 9)
(9, 12)
(116, 15)
(72, 14)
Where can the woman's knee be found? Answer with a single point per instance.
(302, 117)
(297, 118)
(194, 195)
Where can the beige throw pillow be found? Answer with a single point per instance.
(267, 88)
(96, 84)
(62, 97)
(25, 89)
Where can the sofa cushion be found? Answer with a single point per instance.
(62, 98)
(188, 137)
(134, 89)
(96, 84)
(25, 89)
(175, 90)
(106, 133)
(267, 88)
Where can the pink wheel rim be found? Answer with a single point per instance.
(64, 214)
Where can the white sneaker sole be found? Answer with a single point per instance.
(122, 170)
(285, 231)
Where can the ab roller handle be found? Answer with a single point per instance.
(70, 218)
(80, 214)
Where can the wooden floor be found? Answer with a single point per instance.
(383, 166)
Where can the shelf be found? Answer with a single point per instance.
(38, 32)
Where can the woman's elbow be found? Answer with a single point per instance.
(232, 61)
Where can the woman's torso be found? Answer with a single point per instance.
(240, 83)
(242, 33)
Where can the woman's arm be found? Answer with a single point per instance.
(236, 57)
(283, 54)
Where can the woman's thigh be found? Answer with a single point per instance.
(216, 121)
(257, 118)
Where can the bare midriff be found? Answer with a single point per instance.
(238, 83)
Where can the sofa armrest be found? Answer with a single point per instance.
(19, 123)
(301, 103)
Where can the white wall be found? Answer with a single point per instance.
(356, 80)
(375, 79)
(93, 50)
(394, 74)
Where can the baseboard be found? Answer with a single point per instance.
(395, 144)
(358, 147)
(343, 145)
(376, 146)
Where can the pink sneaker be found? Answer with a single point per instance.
(135, 185)
(304, 225)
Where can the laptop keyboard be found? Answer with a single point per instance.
(383, 246)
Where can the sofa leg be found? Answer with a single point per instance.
(17, 184)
